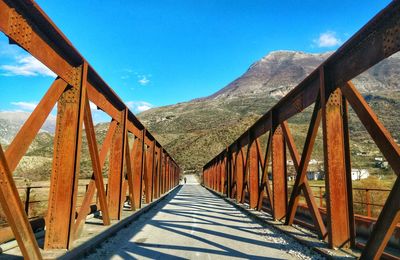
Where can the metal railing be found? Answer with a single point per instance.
(243, 166)
(144, 168)
(366, 203)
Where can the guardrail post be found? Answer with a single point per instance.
(66, 162)
(335, 168)
(368, 202)
(320, 197)
(27, 198)
(279, 179)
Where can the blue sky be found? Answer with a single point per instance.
(155, 53)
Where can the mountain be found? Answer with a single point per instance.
(11, 122)
(195, 131)
(36, 164)
(274, 75)
(278, 72)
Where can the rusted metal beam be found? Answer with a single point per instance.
(85, 208)
(279, 179)
(335, 170)
(26, 25)
(301, 182)
(385, 225)
(15, 214)
(97, 176)
(129, 171)
(233, 174)
(264, 185)
(66, 163)
(115, 176)
(374, 42)
(375, 128)
(31, 127)
(253, 175)
(138, 170)
(148, 177)
(239, 176)
(349, 181)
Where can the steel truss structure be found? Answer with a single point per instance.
(242, 168)
(144, 168)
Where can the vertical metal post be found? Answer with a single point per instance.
(219, 170)
(347, 156)
(228, 173)
(335, 169)
(27, 198)
(368, 202)
(148, 178)
(239, 175)
(138, 169)
(233, 174)
(66, 162)
(157, 174)
(116, 176)
(167, 167)
(279, 179)
(254, 177)
(320, 197)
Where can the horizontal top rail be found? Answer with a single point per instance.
(374, 42)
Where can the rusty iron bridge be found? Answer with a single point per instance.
(141, 170)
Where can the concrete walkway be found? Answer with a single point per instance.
(195, 224)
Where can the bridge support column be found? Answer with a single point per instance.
(157, 170)
(239, 175)
(149, 173)
(228, 168)
(115, 177)
(220, 175)
(335, 170)
(279, 190)
(66, 163)
(138, 166)
(223, 176)
(233, 174)
(253, 175)
(167, 169)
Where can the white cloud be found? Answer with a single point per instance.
(26, 66)
(139, 106)
(92, 105)
(143, 80)
(25, 106)
(327, 39)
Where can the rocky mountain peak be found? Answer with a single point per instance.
(278, 72)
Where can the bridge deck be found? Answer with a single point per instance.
(194, 223)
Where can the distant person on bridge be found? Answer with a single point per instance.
(184, 179)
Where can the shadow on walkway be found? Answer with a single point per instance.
(192, 223)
